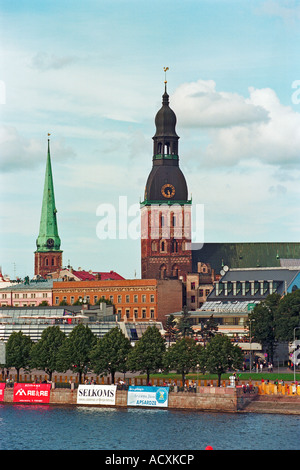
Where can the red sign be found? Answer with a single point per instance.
(2, 388)
(32, 393)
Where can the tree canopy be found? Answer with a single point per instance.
(147, 355)
(220, 355)
(110, 353)
(44, 353)
(75, 352)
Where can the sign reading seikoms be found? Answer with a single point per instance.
(96, 395)
(32, 393)
(2, 388)
(148, 396)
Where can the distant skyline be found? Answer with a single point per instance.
(91, 74)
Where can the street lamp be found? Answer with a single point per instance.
(250, 321)
(296, 328)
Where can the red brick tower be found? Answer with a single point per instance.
(166, 209)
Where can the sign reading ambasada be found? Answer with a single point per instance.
(96, 394)
(32, 393)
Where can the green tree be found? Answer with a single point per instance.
(262, 320)
(110, 353)
(148, 352)
(287, 316)
(75, 351)
(209, 328)
(44, 353)
(170, 328)
(184, 325)
(183, 356)
(220, 355)
(18, 349)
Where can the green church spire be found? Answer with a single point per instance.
(48, 239)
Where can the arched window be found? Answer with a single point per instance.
(154, 246)
(163, 246)
(175, 271)
(162, 271)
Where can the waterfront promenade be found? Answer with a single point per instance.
(201, 395)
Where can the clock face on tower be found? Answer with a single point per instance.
(50, 242)
(168, 190)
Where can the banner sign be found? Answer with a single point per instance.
(96, 394)
(148, 396)
(2, 388)
(32, 393)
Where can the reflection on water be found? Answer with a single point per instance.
(88, 428)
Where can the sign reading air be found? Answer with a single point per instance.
(168, 190)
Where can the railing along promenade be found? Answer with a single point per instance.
(64, 381)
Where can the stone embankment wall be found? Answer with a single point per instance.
(206, 399)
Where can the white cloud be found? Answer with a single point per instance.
(288, 10)
(258, 127)
(21, 153)
(199, 104)
(43, 61)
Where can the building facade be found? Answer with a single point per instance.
(27, 294)
(236, 293)
(166, 209)
(32, 322)
(134, 300)
(199, 285)
(48, 255)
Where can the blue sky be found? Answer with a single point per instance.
(91, 74)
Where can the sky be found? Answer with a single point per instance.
(91, 74)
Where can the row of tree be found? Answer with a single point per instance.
(82, 351)
(274, 320)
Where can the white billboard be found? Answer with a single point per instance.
(96, 394)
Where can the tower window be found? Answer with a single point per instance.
(163, 246)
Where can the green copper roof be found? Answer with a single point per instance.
(245, 255)
(48, 239)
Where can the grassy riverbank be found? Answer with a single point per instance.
(255, 377)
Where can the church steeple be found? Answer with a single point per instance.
(165, 140)
(48, 241)
(166, 209)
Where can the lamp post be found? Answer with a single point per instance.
(250, 321)
(296, 328)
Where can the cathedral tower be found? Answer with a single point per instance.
(166, 209)
(48, 256)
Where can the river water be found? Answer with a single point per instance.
(25, 427)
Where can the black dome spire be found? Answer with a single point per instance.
(165, 138)
(166, 181)
(165, 119)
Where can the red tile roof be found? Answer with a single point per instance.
(101, 276)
